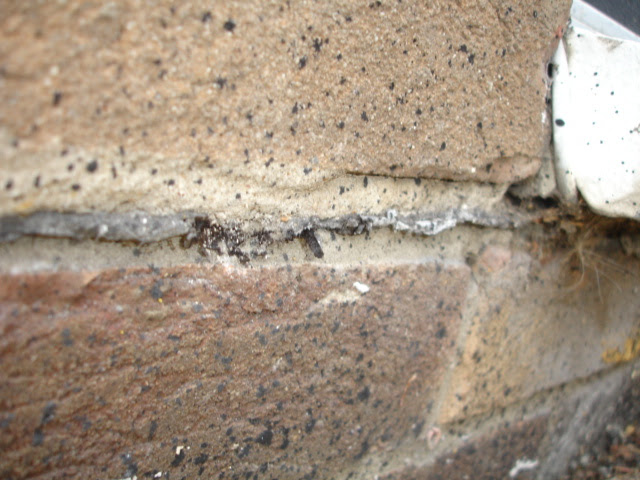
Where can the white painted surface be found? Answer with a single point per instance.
(596, 124)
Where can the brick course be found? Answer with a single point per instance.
(284, 372)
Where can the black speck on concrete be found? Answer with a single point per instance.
(156, 291)
(132, 466)
(178, 459)
(310, 425)
(67, 341)
(302, 62)
(224, 360)
(443, 146)
(206, 17)
(363, 450)
(200, 459)
(57, 97)
(92, 166)
(261, 391)
(560, 122)
(229, 25)
(244, 451)
(364, 394)
(48, 413)
(417, 428)
(38, 437)
(152, 430)
(265, 438)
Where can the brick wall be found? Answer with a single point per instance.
(282, 240)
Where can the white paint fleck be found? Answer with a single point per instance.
(522, 465)
(361, 287)
(179, 449)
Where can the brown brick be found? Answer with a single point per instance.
(451, 90)
(277, 372)
(491, 456)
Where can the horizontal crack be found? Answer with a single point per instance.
(137, 226)
(243, 242)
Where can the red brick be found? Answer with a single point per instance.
(283, 372)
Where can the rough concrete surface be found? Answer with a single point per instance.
(274, 372)
(234, 105)
(587, 413)
(509, 452)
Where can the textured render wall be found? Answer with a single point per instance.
(274, 240)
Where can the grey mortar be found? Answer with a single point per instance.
(143, 228)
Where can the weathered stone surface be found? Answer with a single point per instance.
(273, 372)
(159, 103)
(506, 453)
(542, 320)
